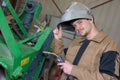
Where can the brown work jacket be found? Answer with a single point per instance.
(98, 62)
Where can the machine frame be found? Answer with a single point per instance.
(19, 60)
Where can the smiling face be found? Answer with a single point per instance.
(83, 26)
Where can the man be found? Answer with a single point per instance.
(99, 58)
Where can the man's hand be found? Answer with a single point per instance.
(66, 66)
(58, 33)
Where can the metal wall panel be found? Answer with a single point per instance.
(49, 8)
(57, 7)
(108, 19)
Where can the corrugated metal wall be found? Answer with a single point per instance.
(57, 7)
(107, 18)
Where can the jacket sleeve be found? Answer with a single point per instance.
(58, 47)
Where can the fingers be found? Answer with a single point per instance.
(55, 31)
(58, 33)
(66, 67)
(61, 67)
(60, 64)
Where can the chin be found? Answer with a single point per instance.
(83, 35)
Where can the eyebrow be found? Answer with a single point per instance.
(77, 21)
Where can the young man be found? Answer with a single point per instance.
(99, 56)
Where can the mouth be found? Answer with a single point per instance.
(80, 30)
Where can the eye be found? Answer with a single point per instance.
(79, 22)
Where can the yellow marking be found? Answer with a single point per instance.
(24, 61)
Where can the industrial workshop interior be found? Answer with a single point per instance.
(26, 30)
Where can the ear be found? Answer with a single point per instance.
(92, 20)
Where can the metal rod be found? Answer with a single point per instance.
(101, 4)
(57, 7)
(46, 52)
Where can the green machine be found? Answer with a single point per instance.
(21, 55)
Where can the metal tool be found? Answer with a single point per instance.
(59, 58)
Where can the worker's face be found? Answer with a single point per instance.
(82, 26)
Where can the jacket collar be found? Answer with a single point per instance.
(98, 38)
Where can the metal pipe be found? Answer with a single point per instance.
(101, 4)
(57, 7)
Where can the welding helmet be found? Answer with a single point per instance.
(75, 11)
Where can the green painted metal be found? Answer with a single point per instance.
(8, 36)
(38, 44)
(23, 7)
(15, 55)
(16, 17)
(19, 17)
(36, 16)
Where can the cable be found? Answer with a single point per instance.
(59, 58)
(46, 52)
